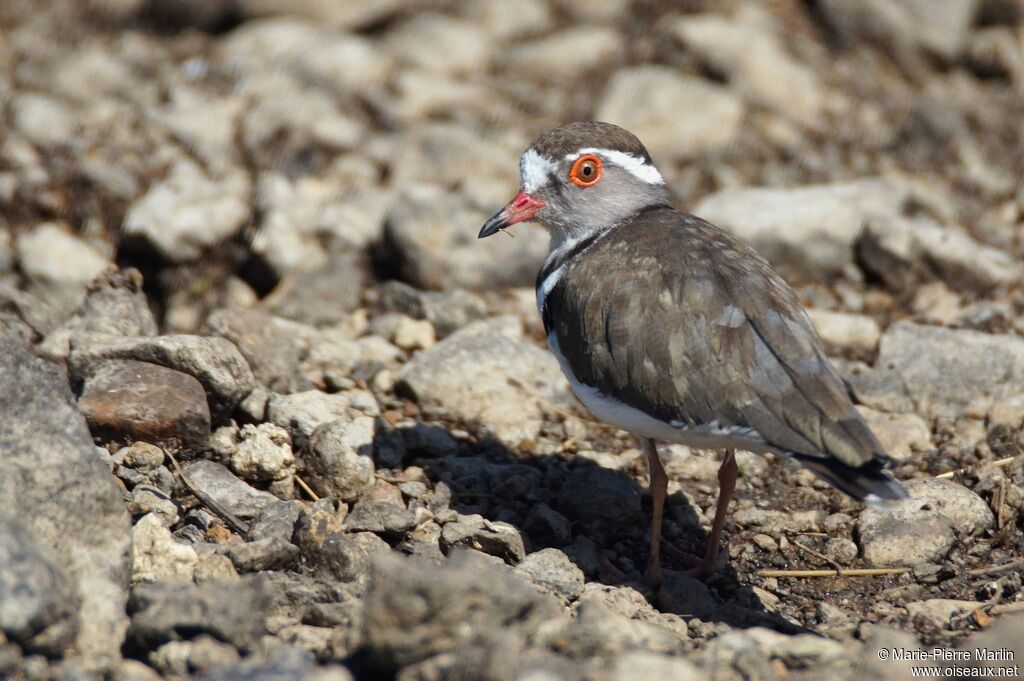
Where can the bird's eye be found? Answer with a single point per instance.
(586, 171)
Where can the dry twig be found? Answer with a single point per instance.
(856, 572)
(306, 488)
(958, 471)
(230, 518)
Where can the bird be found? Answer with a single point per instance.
(675, 331)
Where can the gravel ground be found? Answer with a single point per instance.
(273, 412)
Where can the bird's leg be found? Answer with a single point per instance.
(727, 474)
(659, 489)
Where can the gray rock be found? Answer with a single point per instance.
(256, 453)
(214, 362)
(415, 610)
(114, 305)
(285, 662)
(331, 551)
(939, 372)
(448, 311)
(491, 537)
(156, 556)
(273, 347)
(547, 527)
(644, 665)
(276, 520)
(905, 253)
(901, 435)
(270, 553)
(320, 296)
(599, 631)
(58, 267)
(551, 570)
(940, 28)
(844, 331)
(431, 248)
(128, 400)
(52, 480)
(227, 490)
(147, 499)
(564, 55)
(415, 39)
(668, 123)
(230, 611)
(474, 374)
(923, 528)
(184, 215)
(380, 517)
(749, 50)
(809, 232)
(938, 612)
(600, 501)
(352, 14)
(36, 598)
(302, 413)
(142, 456)
(685, 596)
(339, 460)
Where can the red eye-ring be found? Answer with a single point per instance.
(586, 171)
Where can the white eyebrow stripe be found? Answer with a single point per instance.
(534, 169)
(634, 165)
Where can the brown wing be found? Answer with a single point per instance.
(680, 320)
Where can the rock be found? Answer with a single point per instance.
(58, 267)
(346, 13)
(565, 54)
(474, 374)
(230, 611)
(415, 610)
(129, 400)
(273, 347)
(339, 461)
(156, 556)
(214, 567)
(941, 28)
(413, 334)
(491, 537)
(447, 311)
(284, 662)
(923, 528)
(146, 499)
(1003, 635)
(431, 248)
(685, 596)
(44, 120)
(380, 517)
(259, 453)
(937, 612)
(843, 331)
(901, 435)
(269, 553)
(276, 520)
(601, 501)
(214, 362)
(644, 665)
(62, 493)
(114, 305)
(552, 571)
(37, 609)
(841, 550)
(302, 413)
(598, 631)
(547, 527)
(142, 456)
(227, 490)
(414, 42)
(745, 646)
(938, 372)
(322, 296)
(808, 232)
(905, 253)
(780, 522)
(184, 215)
(748, 50)
(668, 123)
(311, 223)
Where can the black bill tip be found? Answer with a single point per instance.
(493, 226)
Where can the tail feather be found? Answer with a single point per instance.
(870, 483)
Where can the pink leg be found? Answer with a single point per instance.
(659, 489)
(727, 474)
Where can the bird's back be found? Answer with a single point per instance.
(674, 317)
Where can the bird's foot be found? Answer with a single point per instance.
(709, 565)
(684, 558)
(653, 575)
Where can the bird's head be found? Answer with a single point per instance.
(579, 178)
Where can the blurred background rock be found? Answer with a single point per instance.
(299, 184)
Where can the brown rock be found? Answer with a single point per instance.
(132, 400)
